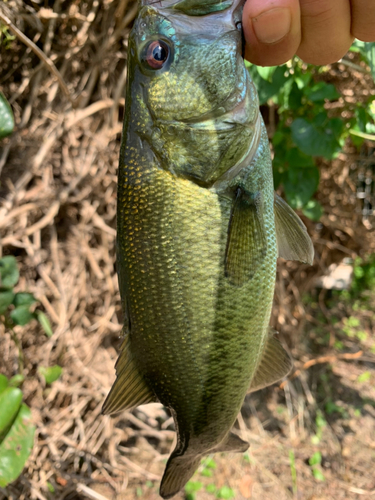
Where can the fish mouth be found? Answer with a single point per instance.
(198, 8)
(198, 16)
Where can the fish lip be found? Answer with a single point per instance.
(186, 24)
(170, 3)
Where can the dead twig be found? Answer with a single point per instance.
(46, 60)
(321, 360)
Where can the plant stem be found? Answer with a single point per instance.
(369, 137)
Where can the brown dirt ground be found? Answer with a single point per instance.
(57, 216)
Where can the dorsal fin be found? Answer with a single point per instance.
(274, 365)
(130, 389)
(293, 241)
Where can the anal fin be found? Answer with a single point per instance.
(232, 443)
(293, 241)
(274, 365)
(247, 243)
(130, 389)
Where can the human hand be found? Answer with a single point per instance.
(318, 31)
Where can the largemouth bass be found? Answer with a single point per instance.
(199, 230)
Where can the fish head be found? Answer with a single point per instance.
(186, 67)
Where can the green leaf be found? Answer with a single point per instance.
(210, 463)
(9, 273)
(321, 92)
(51, 373)
(211, 488)
(303, 80)
(278, 137)
(318, 474)
(313, 210)
(44, 321)
(316, 459)
(16, 380)
(21, 315)
(6, 299)
(225, 493)
(320, 118)
(266, 72)
(361, 118)
(299, 185)
(6, 117)
(315, 139)
(3, 383)
(10, 403)
(51, 488)
(336, 126)
(207, 473)
(24, 299)
(16, 447)
(369, 50)
(364, 377)
(192, 487)
(331, 407)
(268, 89)
(295, 97)
(296, 158)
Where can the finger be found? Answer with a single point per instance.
(326, 33)
(272, 30)
(363, 20)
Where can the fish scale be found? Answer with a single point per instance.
(199, 231)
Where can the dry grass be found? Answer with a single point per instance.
(64, 74)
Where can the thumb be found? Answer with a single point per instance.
(272, 30)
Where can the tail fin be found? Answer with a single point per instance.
(177, 473)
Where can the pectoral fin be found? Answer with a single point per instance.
(274, 365)
(130, 389)
(293, 241)
(247, 243)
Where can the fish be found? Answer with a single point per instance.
(199, 230)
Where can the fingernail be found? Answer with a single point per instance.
(273, 25)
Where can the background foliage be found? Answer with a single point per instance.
(306, 128)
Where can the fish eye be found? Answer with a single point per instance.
(239, 25)
(156, 54)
